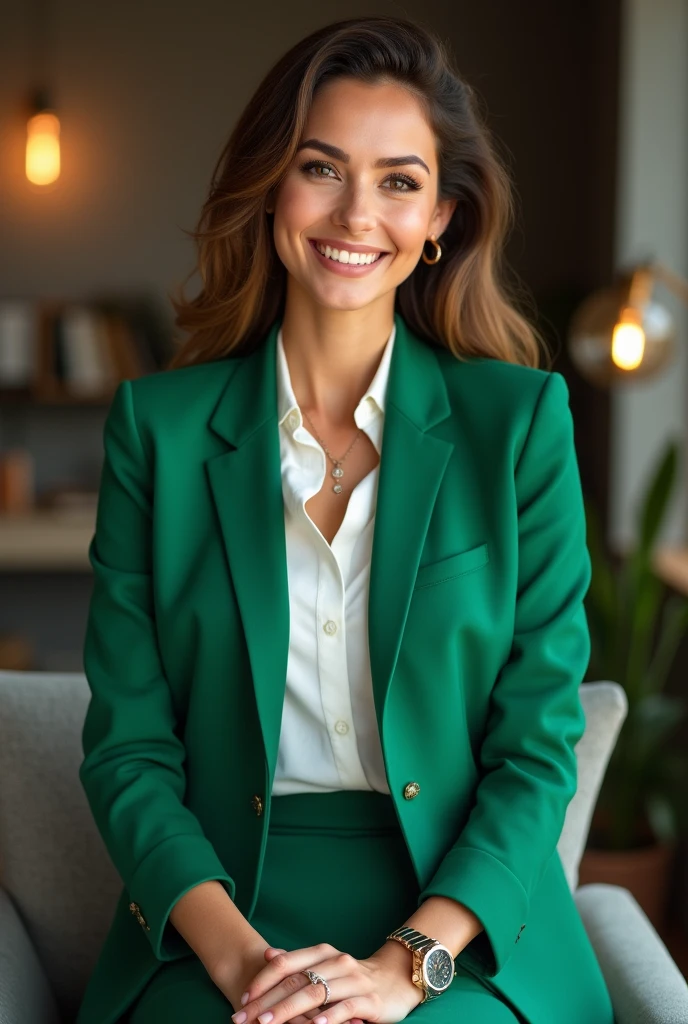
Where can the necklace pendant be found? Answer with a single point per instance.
(337, 471)
(337, 488)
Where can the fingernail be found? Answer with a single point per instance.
(239, 1017)
(244, 999)
(265, 1018)
(319, 1020)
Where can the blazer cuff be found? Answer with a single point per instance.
(172, 868)
(494, 894)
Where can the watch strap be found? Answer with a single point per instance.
(414, 939)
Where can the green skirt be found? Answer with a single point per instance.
(336, 870)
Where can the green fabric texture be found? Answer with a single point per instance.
(349, 846)
(478, 644)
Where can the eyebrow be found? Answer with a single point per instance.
(338, 154)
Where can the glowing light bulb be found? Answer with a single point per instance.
(628, 345)
(43, 148)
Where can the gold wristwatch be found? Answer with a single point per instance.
(433, 964)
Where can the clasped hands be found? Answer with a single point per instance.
(378, 988)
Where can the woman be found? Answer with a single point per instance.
(335, 695)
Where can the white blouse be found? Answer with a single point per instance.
(329, 737)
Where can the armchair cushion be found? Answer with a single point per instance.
(25, 993)
(644, 983)
(605, 705)
(53, 863)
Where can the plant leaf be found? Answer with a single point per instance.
(661, 816)
(657, 497)
(673, 626)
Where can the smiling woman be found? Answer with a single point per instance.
(410, 162)
(335, 713)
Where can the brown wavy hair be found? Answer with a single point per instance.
(462, 303)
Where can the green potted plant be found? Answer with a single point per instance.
(635, 629)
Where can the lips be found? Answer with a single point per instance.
(344, 270)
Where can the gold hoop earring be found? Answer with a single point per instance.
(438, 251)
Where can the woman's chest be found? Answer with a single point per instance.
(327, 508)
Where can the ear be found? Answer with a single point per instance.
(444, 211)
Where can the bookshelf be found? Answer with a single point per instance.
(61, 361)
(59, 351)
(63, 354)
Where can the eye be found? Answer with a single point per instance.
(412, 183)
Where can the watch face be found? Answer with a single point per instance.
(439, 968)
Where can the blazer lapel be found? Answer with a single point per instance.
(246, 486)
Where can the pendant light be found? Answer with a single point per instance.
(42, 163)
(622, 333)
(42, 142)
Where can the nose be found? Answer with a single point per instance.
(356, 211)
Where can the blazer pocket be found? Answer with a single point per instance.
(452, 566)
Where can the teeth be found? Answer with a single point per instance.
(342, 256)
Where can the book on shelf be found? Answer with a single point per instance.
(83, 361)
(94, 349)
(81, 350)
(18, 341)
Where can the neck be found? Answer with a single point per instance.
(332, 357)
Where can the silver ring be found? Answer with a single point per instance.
(317, 979)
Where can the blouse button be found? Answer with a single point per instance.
(342, 727)
(293, 420)
(330, 627)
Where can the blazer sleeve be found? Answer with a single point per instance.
(133, 767)
(528, 763)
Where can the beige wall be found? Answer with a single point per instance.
(652, 219)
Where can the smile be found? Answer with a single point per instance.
(343, 262)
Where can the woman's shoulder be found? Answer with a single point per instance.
(488, 382)
(178, 392)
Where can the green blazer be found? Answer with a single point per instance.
(478, 643)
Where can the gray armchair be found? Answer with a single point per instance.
(58, 887)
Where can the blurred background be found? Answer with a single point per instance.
(589, 104)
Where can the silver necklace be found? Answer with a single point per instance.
(337, 472)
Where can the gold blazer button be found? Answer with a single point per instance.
(411, 790)
(257, 805)
(136, 911)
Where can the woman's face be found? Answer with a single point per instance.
(334, 193)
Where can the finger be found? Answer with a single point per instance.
(275, 997)
(290, 999)
(272, 951)
(310, 1014)
(306, 1018)
(295, 995)
(316, 1013)
(284, 964)
(283, 1011)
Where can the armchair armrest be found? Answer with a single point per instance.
(645, 985)
(25, 993)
